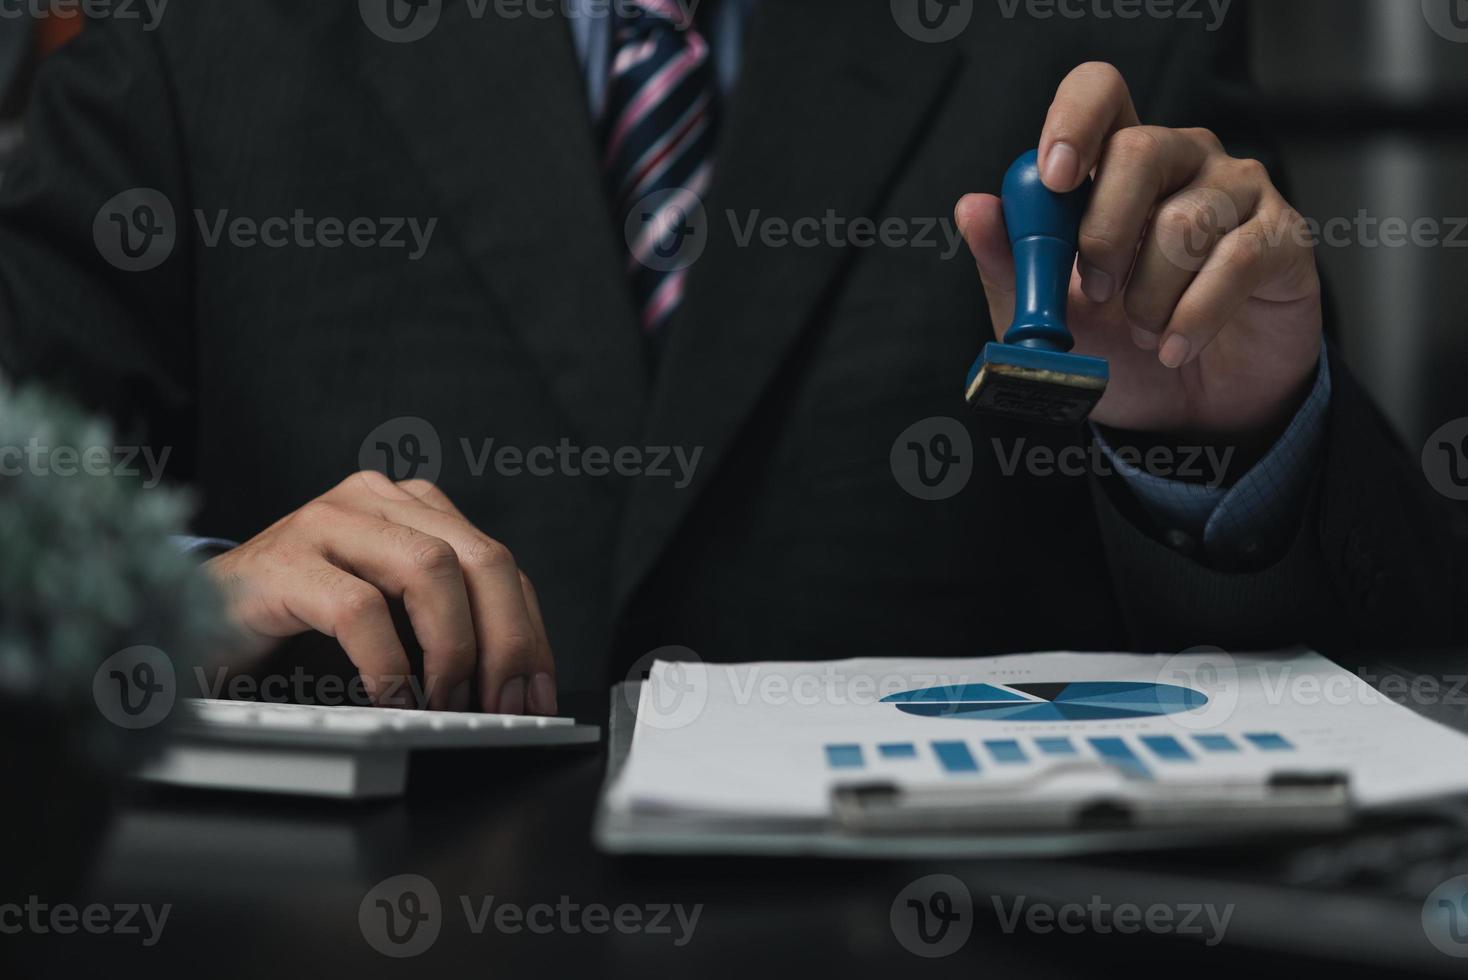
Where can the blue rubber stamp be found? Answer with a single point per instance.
(1032, 376)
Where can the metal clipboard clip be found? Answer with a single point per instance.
(1104, 797)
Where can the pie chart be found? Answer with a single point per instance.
(1061, 701)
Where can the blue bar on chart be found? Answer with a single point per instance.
(1167, 748)
(1215, 743)
(1006, 751)
(844, 757)
(1056, 745)
(1119, 754)
(898, 750)
(955, 757)
(1269, 741)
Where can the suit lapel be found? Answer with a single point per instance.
(828, 105)
(493, 111)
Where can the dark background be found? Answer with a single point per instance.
(1370, 111)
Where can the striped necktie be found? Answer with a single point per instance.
(657, 136)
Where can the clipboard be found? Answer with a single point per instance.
(880, 820)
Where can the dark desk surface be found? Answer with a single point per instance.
(264, 887)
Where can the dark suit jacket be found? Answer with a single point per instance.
(794, 369)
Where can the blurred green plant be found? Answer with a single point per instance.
(88, 567)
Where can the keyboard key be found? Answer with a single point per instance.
(348, 721)
(287, 719)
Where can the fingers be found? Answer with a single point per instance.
(1167, 205)
(1092, 103)
(542, 685)
(1237, 270)
(1183, 233)
(1187, 235)
(1139, 167)
(424, 572)
(333, 565)
(509, 638)
(513, 656)
(430, 495)
(332, 601)
(980, 219)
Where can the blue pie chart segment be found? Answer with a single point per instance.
(1063, 701)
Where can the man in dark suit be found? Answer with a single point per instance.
(303, 240)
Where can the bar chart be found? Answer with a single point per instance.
(1138, 755)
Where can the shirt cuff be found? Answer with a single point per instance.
(1241, 521)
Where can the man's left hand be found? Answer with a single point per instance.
(1196, 279)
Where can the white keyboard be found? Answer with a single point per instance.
(255, 721)
(340, 751)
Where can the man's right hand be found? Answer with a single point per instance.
(332, 566)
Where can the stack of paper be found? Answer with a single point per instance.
(762, 745)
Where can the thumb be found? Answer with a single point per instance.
(980, 219)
